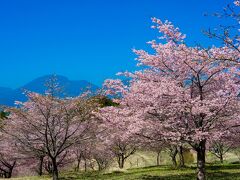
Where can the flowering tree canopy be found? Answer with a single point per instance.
(182, 94)
(46, 125)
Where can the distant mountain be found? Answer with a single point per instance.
(70, 88)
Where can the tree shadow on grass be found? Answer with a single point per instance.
(217, 167)
(171, 177)
(192, 176)
(222, 167)
(94, 175)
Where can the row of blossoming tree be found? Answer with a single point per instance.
(182, 96)
(48, 133)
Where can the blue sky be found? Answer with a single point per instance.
(88, 39)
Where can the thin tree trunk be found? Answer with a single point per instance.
(221, 158)
(181, 157)
(78, 163)
(55, 169)
(99, 166)
(174, 161)
(121, 161)
(40, 167)
(85, 165)
(78, 166)
(158, 158)
(173, 154)
(201, 175)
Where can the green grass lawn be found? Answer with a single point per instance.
(222, 172)
(141, 166)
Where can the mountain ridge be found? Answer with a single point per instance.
(71, 88)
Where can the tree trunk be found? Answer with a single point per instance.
(173, 154)
(40, 167)
(78, 163)
(201, 160)
(99, 166)
(181, 157)
(158, 158)
(174, 161)
(85, 165)
(8, 174)
(221, 158)
(55, 169)
(121, 161)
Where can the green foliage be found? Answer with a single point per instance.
(104, 101)
(3, 115)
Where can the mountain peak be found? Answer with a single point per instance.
(71, 88)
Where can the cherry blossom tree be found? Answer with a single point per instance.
(102, 155)
(220, 148)
(153, 146)
(95, 148)
(186, 94)
(28, 155)
(47, 125)
(181, 156)
(121, 143)
(122, 150)
(83, 153)
(173, 151)
(8, 156)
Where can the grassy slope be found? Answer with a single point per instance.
(226, 172)
(136, 170)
